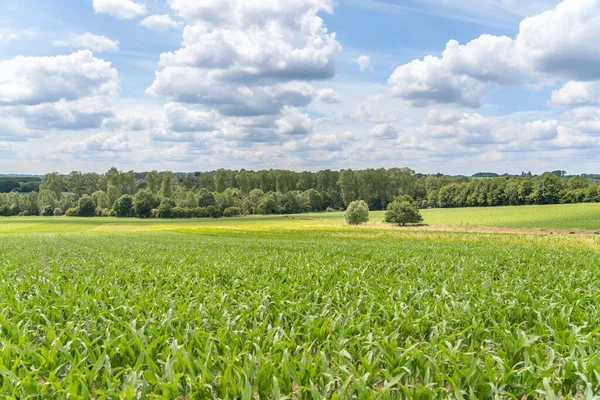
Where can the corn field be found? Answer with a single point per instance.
(336, 313)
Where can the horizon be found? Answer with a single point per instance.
(302, 85)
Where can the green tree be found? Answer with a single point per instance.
(166, 188)
(403, 211)
(54, 183)
(86, 206)
(123, 207)
(113, 193)
(357, 213)
(154, 182)
(143, 203)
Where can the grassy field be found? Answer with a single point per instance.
(560, 216)
(281, 307)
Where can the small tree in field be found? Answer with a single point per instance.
(403, 211)
(357, 213)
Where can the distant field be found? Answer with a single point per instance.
(293, 307)
(561, 216)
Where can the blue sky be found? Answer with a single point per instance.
(454, 86)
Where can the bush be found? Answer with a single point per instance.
(5, 210)
(165, 210)
(143, 203)
(357, 213)
(330, 209)
(58, 212)
(86, 206)
(105, 212)
(124, 206)
(231, 212)
(154, 213)
(199, 212)
(213, 212)
(72, 212)
(47, 211)
(180, 212)
(403, 211)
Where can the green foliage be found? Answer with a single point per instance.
(214, 212)
(357, 213)
(403, 211)
(48, 211)
(124, 206)
(231, 212)
(256, 311)
(58, 212)
(86, 206)
(72, 212)
(143, 203)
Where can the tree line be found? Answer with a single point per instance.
(229, 193)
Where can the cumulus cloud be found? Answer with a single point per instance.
(184, 118)
(159, 23)
(429, 81)
(245, 68)
(384, 132)
(574, 94)
(295, 123)
(542, 130)
(35, 80)
(561, 42)
(556, 44)
(363, 62)
(90, 41)
(111, 143)
(121, 9)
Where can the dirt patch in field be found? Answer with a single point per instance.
(485, 229)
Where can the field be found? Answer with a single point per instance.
(298, 307)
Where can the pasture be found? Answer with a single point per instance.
(303, 307)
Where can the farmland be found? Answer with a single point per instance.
(281, 307)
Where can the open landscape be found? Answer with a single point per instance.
(300, 199)
(299, 307)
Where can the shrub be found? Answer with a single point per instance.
(213, 212)
(5, 211)
(86, 206)
(154, 213)
(330, 209)
(180, 212)
(47, 211)
(357, 213)
(58, 212)
(72, 212)
(199, 212)
(403, 211)
(165, 210)
(124, 206)
(105, 212)
(143, 203)
(231, 212)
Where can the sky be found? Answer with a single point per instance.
(453, 86)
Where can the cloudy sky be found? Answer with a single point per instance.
(456, 86)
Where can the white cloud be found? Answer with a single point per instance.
(556, 44)
(121, 9)
(328, 96)
(111, 143)
(36, 80)
(430, 81)
(542, 130)
(363, 62)
(159, 23)
(576, 94)
(384, 132)
(90, 41)
(293, 122)
(185, 118)
(562, 42)
(7, 37)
